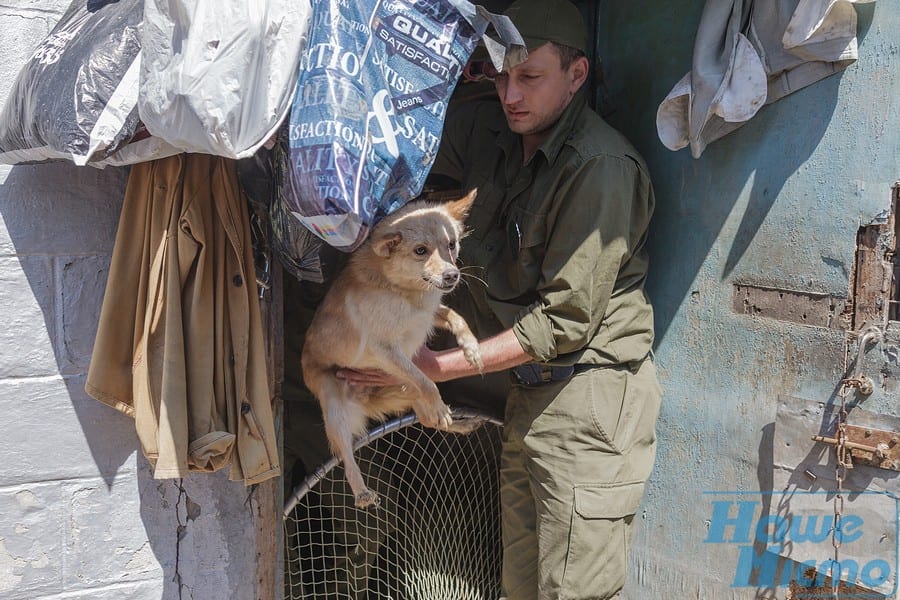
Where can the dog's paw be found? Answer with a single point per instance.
(366, 499)
(469, 345)
(435, 415)
(445, 420)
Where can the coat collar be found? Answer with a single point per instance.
(561, 132)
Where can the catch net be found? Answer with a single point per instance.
(434, 535)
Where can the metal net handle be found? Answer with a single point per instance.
(377, 432)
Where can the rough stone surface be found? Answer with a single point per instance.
(26, 337)
(61, 433)
(32, 559)
(57, 208)
(82, 282)
(80, 515)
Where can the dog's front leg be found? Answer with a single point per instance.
(429, 406)
(448, 319)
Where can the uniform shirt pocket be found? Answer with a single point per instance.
(519, 271)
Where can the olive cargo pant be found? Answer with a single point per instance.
(576, 454)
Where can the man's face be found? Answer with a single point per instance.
(535, 93)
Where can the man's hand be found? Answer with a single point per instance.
(367, 377)
(425, 359)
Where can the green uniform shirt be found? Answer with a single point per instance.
(558, 241)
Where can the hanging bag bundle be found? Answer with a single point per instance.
(368, 111)
(76, 97)
(218, 77)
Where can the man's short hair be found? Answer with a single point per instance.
(567, 54)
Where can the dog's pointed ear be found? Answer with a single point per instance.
(384, 245)
(459, 209)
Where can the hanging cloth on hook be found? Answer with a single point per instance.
(180, 345)
(748, 53)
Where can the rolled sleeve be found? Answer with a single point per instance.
(588, 240)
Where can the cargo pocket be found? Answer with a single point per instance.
(599, 536)
(608, 407)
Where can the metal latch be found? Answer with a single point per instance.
(867, 446)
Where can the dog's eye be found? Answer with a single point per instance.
(420, 250)
(452, 245)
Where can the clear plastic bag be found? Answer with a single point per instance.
(218, 77)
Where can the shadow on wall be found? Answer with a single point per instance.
(61, 222)
(696, 196)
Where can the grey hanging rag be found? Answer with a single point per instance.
(748, 53)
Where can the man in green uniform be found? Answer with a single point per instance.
(557, 235)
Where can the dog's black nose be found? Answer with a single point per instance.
(451, 276)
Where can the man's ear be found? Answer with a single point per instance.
(459, 209)
(386, 244)
(579, 72)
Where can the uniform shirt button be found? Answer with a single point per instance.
(238, 281)
(245, 408)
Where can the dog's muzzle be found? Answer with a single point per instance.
(449, 279)
(446, 281)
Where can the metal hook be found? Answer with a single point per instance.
(860, 381)
(870, 334)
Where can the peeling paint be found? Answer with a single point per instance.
(192, 509)
(180, 533)
(28, 501)
(10, 567)
(42, 562)
(142, 561)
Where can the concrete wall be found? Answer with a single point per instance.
(80, 516)
(778, 204)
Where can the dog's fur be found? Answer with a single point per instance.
(377, 314)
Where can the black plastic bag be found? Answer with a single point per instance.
(76, 97)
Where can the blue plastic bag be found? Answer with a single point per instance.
(368, 111)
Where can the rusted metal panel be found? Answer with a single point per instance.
(804, 488)
(807, 308)
(874, 447)
(812, 589)
(874, 269)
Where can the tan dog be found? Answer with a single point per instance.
(377, 314)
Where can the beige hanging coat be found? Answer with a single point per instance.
(180, 345)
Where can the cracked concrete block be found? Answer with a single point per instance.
(56, 432)
(23, 31)
(106, 535)
(26, 295)
(31, 550)
(83, 280)
(204, 534)
(222, 535)
(59, 209)
(144, 590)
